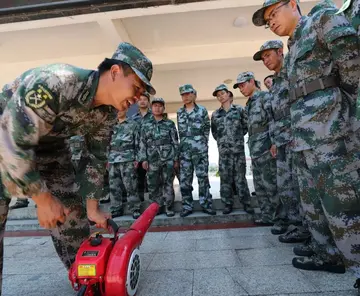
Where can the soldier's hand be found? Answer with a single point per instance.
(136, 164)
(50, 210)
(273, 151)
(96, 215)
(145, 165)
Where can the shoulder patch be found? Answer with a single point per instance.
(38, 97)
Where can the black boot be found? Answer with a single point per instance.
(169, 212)
(315, 263)
(20, 203)
(209, 211)
(357, 286)
(304, 250)
(117, 213)
(294, 235)
(248, 209)
(185, 213)
(228, 209)
(136, 214)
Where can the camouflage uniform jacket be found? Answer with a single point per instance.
(229, 128)
(323, 45)
(258, 123)
(279, 109)
(51, 104)
(123, 146)
(194, 130)
(137, 117)
(158, 141)
(77, 146)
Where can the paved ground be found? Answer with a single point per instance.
(231, 262)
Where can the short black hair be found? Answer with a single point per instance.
(108, 63)
(269, 76)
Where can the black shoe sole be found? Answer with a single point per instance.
(17, 207)
(326, 267)
(170, 215)
(303, 253)
(278, 232)
(292, 240)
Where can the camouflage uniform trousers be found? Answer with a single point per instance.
(264, 172)
(142, 183)
(287, 187)
(57, 171)
(329, 180)
(199, 163)
(232, 170)
(160, 179)
(123, 175)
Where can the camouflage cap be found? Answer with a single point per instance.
(258, 16)
(186, 88)
(272, 44)
(220, 87)
(243, 77)
(158, 100)
(140, 64)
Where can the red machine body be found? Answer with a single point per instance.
(110, 266)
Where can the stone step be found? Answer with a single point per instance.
(197, 218)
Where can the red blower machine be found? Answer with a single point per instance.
(110, 266)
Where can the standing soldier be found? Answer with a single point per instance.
(52, 104)
(158, 153)
(123, 164)
(323, 72)
(194, 129)
(143, 115)
(264, 165)
(228, 127)
(271, 53)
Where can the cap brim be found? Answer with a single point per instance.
(149, 88)
(236, 85)
(257, 56)
(186, 92)
(258, 17)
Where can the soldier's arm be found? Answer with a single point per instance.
(25, 120)
(175, 140)
(244, 120)
(213, 127)
(142, 145)
(92, 178)
(269, 114)
(206, 125)
(341, 39)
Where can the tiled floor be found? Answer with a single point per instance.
(247, 261)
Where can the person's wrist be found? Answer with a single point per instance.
(42, 198)
(92, 205)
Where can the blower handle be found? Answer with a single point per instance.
(110, 222)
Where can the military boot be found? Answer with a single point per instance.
(20, 203)
(279, 228)
(185, 213)
(263, 222)
(169, 212)
(117, 213)
(136, 214)
(161, 210)
(357, 286)
(304, 250)
(248, 209)
(316, 263)
(209, 211)
(295, 234)
(228, 209)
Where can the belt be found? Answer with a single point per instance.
(123, 148)
(160, 142)
(310, 87)
(257, 130)
(190, 134)
(282, 113)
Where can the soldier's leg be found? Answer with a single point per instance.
(58, 173)
(201, 165)
(168, 188)
(154, 182)
(226, 179)
(323, 244)
(142, 181)
(240, 179)
(186, 179)
(128, 176)
(115, 189)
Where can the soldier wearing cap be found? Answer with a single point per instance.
(194, 129)
(143, 115)
(323, 73)
(159, 154)
(228, 127)
(264, 165)
(271, 53)
(123, 164)
(51, 104)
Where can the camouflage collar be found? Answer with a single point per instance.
(196, 107)
(87, 93)
(297, 32)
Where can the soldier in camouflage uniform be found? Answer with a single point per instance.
(194, 129)
(123, 164)
(271, 53)
(228, 127)
(159, 149)
(51, 104)
(264, 165)
(323, 72)
(143, 115)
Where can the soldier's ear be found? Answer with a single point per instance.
(281, 51)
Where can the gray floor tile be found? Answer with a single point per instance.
(241, 242)
(268, 280)
(215, 282)
(23, 251)
(146, 259)
(155, 236)
(197, 234)
(266, 256)
(168, 246)
(169, 282)
(31, 265)
(326, 281)
(194, 260)
(250, 231)
(337, 293)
